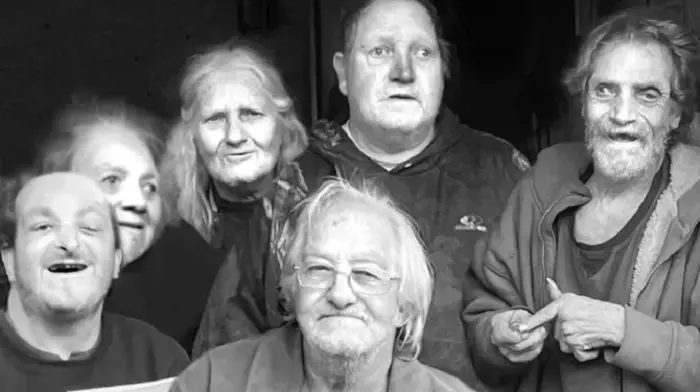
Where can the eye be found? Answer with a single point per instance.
(650, 95)
(248, 114)
(424, 52)
(39, 227)
(111, 179)
(380, 51)
(150, 188)
(215, 118)
(318, 268)
(604, 91)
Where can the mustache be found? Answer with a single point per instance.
(354, 314)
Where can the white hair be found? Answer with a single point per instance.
(412, 265)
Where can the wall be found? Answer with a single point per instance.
(133, 49)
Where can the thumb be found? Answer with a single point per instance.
(554, 291)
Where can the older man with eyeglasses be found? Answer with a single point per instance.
(357, 284)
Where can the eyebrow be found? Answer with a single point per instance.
(96, 208)
(364, 257)
(110, 167)
(150, 175)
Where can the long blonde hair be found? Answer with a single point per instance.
(183, 170)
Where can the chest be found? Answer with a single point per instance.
(598, 222)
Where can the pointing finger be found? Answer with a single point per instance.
(554, 291)
(544, 315)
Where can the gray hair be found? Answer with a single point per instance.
(185, 174)
(642, 26)
(413, 266)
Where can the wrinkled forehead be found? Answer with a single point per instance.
(354, 230)
(61, 193)
(405, 19)
(634, 62)
(236, 84)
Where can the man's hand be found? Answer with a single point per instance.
(516, 346)
(583, 325)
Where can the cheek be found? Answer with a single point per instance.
(265, 136)
(155, 210)
(207, 142)
(595, 110)
(306, 302)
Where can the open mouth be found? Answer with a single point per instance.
(66, 268)
(624, 137)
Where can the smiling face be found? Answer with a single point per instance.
(628, 108)
(337, 320)
(393, 74)
(236, 130)
(64, 258)
(117, 159)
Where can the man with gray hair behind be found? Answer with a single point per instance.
(590, 283)
(357, 282)
(60, 247)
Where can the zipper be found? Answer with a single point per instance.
(556, 203)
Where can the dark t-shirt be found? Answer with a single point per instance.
(129, 351)
(604, 272)
(168, 286)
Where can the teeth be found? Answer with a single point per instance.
(65, 268)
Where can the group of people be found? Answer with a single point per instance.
(395, 249)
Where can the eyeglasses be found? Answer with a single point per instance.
(363, 280)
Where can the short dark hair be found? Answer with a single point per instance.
(352, 10)
(643, 25)
(10, 188)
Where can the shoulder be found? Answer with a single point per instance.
(489, 146)
(143, 340)
(314, 168)
(223, 368)
(418, 376)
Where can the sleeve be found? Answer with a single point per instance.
(196, 378)
(494, 284)
(228, 318)
(180, 361)
(665, 353)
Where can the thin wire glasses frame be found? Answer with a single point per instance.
(361, 280)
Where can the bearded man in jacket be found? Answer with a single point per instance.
(590, 282)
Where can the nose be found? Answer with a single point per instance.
(341, 295)
(235, 134)
(403, 70)
(68, 239)
(134, 199)
(624, 110)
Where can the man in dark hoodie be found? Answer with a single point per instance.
(451, 179)
(590, 281)
(454, 181)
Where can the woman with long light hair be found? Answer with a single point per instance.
(168, 268)
(232, 166)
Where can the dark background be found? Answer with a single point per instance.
(508, 57)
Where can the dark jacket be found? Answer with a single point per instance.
(244, 300)
(455, 189)
(275, 362)
(168, 285)
(661, 344)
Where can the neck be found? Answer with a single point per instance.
(602, 187)
(242, 192)
(338, 373)
(61, 336)
(387, 146)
